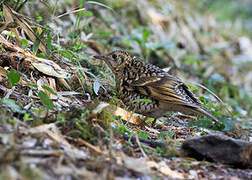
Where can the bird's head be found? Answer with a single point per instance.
(116, 60)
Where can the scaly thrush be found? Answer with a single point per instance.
(136, 80)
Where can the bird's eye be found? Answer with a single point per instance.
(114, 56)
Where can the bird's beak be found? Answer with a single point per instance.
(105, 58)
(101, 57)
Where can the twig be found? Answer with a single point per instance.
(97, 149)
(139, 144)
(70, 12)
(212, 93)
(149, 142)
(17, 8)
(9, 92)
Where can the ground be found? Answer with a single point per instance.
(60, 114)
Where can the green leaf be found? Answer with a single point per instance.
(192, 88)
(13, 77)
(123, 129)
(32, 85)
(146, 34)
(203, 100)
(204, 123)
(88, 13)
(24, 43)
(27, 117)
(45, 100)
(60, 118)
(191, 61)
(81, 75)
(67, 54)
(138, 40)
(49, 44)
(164, 135)
(149, 120)
(12, 121)
(35, 46)
(143, 100)
(38, 17)
(113, 102)
(36, 43)
(207, 123)
(99, 4)
(78, 46)
(219, 126)
(49, 89)
(96, 87)
(11, 104)
(91, 74)
(143, 134)
(9, 33)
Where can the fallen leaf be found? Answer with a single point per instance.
(52, 131)
(117, 111)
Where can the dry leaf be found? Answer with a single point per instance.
(52, 85)
(117, 111)
(45, 66)
(53, 132)
(145, 166)
(166, 170)
(25, 26)
(3, 72)
(50, 68)
(64, 83)
(9, 18)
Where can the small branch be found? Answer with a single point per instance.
(149, 142)
(139, 144)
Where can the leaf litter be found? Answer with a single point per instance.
(73, 131)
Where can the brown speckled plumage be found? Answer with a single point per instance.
(162, 92)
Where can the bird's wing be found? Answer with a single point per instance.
(169, 89)
(165, 88)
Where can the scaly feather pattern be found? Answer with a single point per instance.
(136, 79)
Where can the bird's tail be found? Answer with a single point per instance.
(198, 109)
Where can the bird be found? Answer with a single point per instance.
(149, 90)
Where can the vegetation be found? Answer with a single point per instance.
(53, 92)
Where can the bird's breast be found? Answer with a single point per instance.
(135, 100)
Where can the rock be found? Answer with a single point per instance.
(220, 149)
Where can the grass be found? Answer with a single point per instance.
(94, 27)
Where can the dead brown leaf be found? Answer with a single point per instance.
(53, 132)
(117, 111)
(9, 18)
